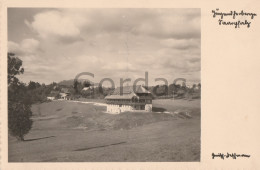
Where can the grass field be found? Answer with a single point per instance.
(66, 131)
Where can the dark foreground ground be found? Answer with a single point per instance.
(65, 131)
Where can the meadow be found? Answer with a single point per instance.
(69, 131)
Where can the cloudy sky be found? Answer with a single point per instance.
(57, 44)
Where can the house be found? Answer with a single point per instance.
(53, 95)
(65, 94)
(86, 88)
(50, 98)
(129, 99)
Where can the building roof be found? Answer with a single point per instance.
(130, 89)
(125, 96)
(128, 92)
(63, 94)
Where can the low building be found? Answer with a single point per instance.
(50, 98)
(86, 88)
(53, 95)
(129, 99)
(65, 94)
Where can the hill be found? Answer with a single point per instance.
(65, 131)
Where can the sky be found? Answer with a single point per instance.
(57, 44)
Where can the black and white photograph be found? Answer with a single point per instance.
(104, 84)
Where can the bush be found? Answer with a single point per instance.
(19, 122)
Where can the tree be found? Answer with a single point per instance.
(183, 86)
(19, 102)
(86, 84)
(75, 86)
(199, 86)
(176, 87)
(33, 85)
(14, 68)
(19, 122)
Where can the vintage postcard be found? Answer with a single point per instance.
(130, 85)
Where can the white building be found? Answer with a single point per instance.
(129, 99)
(51, 98)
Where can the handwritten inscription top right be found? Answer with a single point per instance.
(234, 18)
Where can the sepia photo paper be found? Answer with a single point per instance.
(129, 85)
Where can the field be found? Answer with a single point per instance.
(67, 131)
